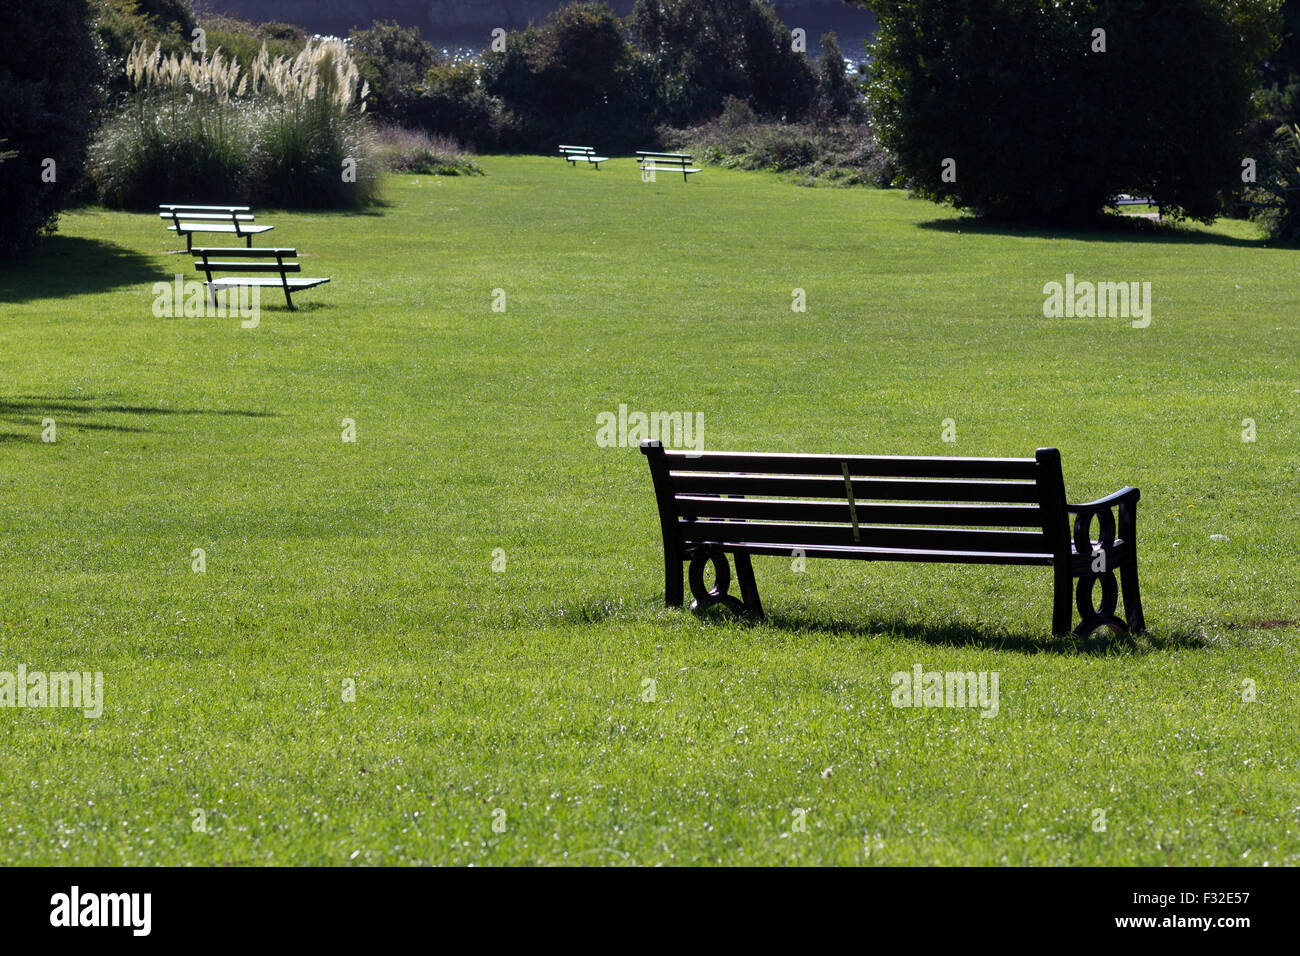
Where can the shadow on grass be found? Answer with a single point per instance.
(1102, 642)
(29, 412)
(1107, 229)
(68, 265)
(961, 634)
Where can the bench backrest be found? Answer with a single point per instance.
(220, 259)
(178, 214)
(999, 510)
(679, 159)
(585, 150)
(184, 208)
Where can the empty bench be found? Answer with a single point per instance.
(674, 162)
(187, 220)
(256, 261)
(1009, 511)
(582, 154)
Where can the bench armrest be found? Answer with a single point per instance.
(1101, 509)
(1123, 496)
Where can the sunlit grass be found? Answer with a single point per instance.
(523, 690)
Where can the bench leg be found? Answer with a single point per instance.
(288, 299)
(673, 591)
(706, 598)
(1128, 580)
(189, 242)
(748, 587)
(1128, 572)
(1062, 600)
(248, 240)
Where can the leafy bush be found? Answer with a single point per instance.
(50, 86)
(843, 153)
(415, 151)
(123, 24)
(1042, 126)
(244, 41)
(394, 61)
(1276, 200)
(284, 134)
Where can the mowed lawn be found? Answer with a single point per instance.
(559, 690)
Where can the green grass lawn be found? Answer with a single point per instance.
(522, 691)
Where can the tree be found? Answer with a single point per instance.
(1043, 109)
(394, 61)
(50, 84)
(574, 77)
(835, 90)
(709, 51)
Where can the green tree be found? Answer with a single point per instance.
(1021, 108)
(51, 77)
(394, 61)
(706, 52)
(836, 93)
(576, 78)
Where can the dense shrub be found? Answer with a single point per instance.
(123, 24)
(394, 61)
(1041, 126)
(284, 133)
(706, 52)
(51, 70)
(244, 41)
(1276, 200)
(842, 153)
(416, 151)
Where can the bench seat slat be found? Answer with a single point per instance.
(877, 536)
(297, 283)
(865, 466)
(961, 515)
(864, 489)
(241, 253)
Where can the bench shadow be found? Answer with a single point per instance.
(28, 412)
(962, 634)
(1107, 229)
(69, 265)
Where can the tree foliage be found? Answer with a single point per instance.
(706, 52)
(51, 76)
(1044, 117)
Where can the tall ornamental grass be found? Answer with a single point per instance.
(287, 132)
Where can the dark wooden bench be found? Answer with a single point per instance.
(210, 260)
(953, 510)
(187, 220)
(585, 154)
(673, 162)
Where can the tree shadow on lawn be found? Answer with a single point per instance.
(1109, 229)
(69, 265)
(28, 412)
